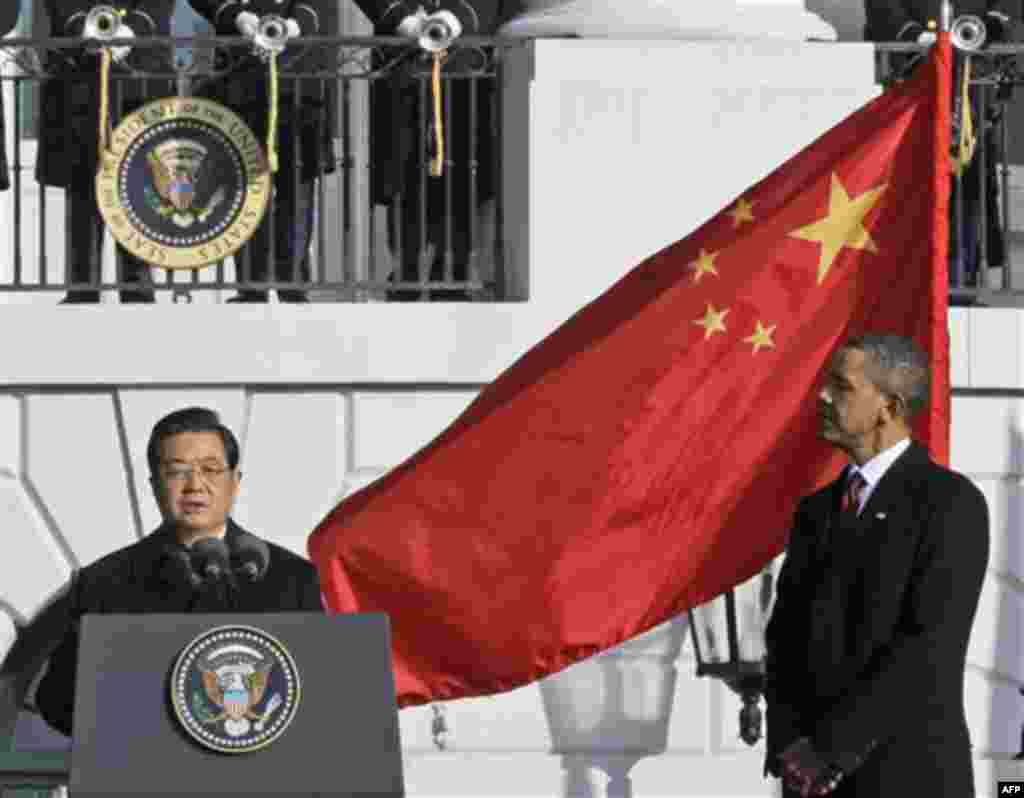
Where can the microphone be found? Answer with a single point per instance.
(251, 557)
(178, 568)
(212, 559)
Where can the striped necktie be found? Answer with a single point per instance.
(851, 496)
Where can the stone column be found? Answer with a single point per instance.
(720, 19)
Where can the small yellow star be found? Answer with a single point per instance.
(843, 227)
(705, 264)
(713, 321)
(743, 212)
(762, 337)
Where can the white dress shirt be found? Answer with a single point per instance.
(874, 469)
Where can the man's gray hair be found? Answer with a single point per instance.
(897, 367)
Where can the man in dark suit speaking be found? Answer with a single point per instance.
(868, 639)
(199, 560)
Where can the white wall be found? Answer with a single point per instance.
(845, 16)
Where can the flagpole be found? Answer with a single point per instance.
(937, 428)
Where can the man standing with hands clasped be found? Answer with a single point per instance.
(69, 127)
(279, 249)
(868, 639)
(432, 221)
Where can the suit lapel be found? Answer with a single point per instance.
(890, 495)
(887, 534)
(861, 570)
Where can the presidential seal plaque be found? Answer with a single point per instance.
(235, 689)
(184, 183)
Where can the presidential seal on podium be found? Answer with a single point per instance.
(235, 689)
(183, 183)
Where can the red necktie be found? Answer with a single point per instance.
(851, 496)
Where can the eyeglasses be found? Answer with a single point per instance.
(182, 472)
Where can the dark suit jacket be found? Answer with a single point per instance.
(137, 579)
(868, 638)
(306, 103)
(400, 105)
(8, 19)
(903, 20)
(69, 124)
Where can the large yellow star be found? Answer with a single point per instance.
(743, 212)
(762, 337)
(843, 227)
(713, 321)
(705, 264)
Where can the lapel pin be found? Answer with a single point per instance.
(880, 516)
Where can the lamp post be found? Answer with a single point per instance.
(728, 642)
(608, 712)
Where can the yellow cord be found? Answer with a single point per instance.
(968, 141)
(437, 166)
(105, 62)
(272, 121)
(104, 131)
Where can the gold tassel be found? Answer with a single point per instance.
(106, 58)
(104, 132)
(968, 141)
(437, 165)
(272, 120)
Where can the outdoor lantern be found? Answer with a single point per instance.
(609, 711)
(728, 642)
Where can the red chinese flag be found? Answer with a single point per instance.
(648, 454)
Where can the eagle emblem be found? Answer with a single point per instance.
(235, 689)
(183, 183)
(176, 171)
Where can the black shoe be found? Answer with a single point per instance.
(293, 296)
(80, 298)
(450, 295)
(248, 296)
(129, 297)
(403, 295)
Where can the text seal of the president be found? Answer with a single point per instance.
(235, 689)
(183, 183)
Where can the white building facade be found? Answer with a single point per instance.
(620, 147)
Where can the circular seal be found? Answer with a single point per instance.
(184, 183)
(235, 689)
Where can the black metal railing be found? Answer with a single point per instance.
(356, 213)
(983, 219)
(375, 224)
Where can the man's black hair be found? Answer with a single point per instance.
(190, 419)
(896, 366)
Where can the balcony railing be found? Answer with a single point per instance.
(364, 115)
(983, 215)
(382, 228)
